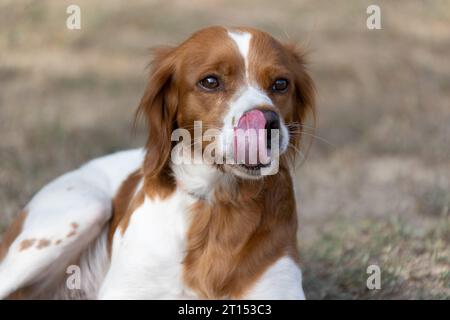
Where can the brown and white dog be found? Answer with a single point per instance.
(137, 225)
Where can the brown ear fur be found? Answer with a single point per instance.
(159, 107)
(304, 93)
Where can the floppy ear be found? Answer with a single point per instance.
(304, 104)
(159, 107)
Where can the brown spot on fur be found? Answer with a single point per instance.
(128, 199)
(134, 204)
(57, 242)
(43, 243)
(71, 234)
(233, 241)
(122, 200)
(161, 187)
(25, 244)
(74, 225)
(11, 234)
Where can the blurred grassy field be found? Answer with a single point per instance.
(376, 186)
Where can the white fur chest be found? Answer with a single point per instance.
(146, 262)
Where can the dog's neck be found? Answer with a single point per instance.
(238, 227)
(202, 180)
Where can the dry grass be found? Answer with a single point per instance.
(378, 192)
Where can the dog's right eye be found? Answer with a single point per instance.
(209, 83)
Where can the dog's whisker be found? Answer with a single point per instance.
(297, 150)
(298, 124)
(313, 136)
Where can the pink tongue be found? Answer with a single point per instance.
(249, 129)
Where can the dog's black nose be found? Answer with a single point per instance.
(272, 123)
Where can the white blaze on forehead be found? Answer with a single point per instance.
(250, 98)
(242, 40)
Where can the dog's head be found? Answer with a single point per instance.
(234, 81)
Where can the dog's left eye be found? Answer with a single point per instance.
(209, 83)
(280, 85)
